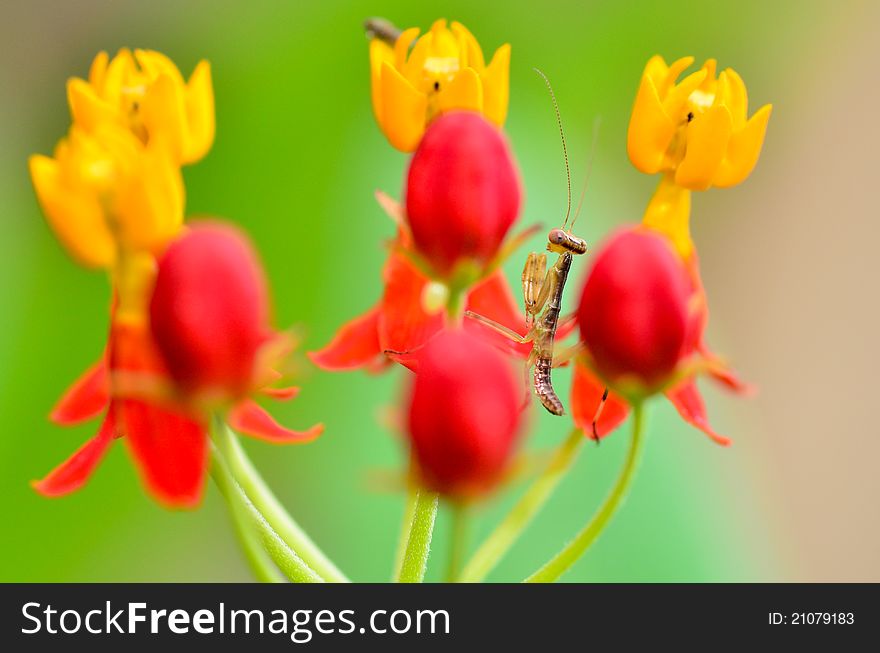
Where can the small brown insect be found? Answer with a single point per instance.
(542, 291)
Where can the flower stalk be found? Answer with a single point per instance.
(265, 502)
(512, 526)
(560, 563)
(272, 544)
(418, 541)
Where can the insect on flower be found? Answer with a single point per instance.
(542, 291)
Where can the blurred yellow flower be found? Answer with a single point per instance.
(696, 129)
(146, 93)
(444, 70)
(105, 193)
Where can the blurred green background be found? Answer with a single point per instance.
(786, 259)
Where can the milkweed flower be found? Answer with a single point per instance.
(206, 347)
(410, 311)
(696, 130)
(465, 415)
(642, 314)
(104, 191)
(145, 93)
(416, 79)
(462, 193)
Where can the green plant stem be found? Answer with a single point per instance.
(418, 541)
(282, 555)
(261, 564)
(457, 540)
(516, 521)
(409, 511)
(270, 508)
(563, 560)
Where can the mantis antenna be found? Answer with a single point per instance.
(564, 147)
(596, 124)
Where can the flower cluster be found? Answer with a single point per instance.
(189, 331)
(414, 80)
(643, 310)
(190, 339)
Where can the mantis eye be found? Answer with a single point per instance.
(556, 236)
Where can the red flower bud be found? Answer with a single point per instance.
(464, 415)
(209, 312)
(633, 312)
(463, 191)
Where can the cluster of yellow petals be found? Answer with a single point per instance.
(444, 70)
(697, 129)
(113, 187)
(104, 190)
(145, 92)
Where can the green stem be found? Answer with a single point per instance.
(516, 521)
(261, 564)
(457, 540)
(267, 504)
(281, 554)
(418, 541)
(563, 560)
(409, 511)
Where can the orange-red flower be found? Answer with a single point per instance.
(642, 315)
(465, 415)
(407, 316)
(146, 385)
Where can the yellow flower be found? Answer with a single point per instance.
(105, 193)
(145, 93)
(444, 70)
(697, 129)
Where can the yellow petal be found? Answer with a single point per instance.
(98, 69)
(155, 64)
(496, 86)
(707, 138)
(119, 70)
(75, 217)
(164, 114)
(710, 66)
(743, 150)
(403, 110)
(676, 100)
(379, 52)
(199, 113)
(401, 47)
(676, 69)
(150, 209)
(443, 42)
(471, 53)
(658, 71)
(650, 129)
(669, 213)
(414, 68)
(87, 109)
(735, 96)
(464, 92)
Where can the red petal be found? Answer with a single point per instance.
(355, 344)
(281, 394)
(73, 473)
(86, 398)
(249, 418)
(403, 324)
(170, 449)
(492, 298)
(722, 374)
(586, 395)
(687, 400)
